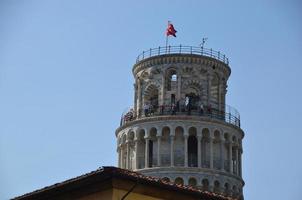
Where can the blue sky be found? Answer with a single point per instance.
(65, 79)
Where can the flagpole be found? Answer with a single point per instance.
(167, 38)
(166, 43)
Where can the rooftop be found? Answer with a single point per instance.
(106, 173)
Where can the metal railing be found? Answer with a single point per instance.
(224, 113)
(182, 50)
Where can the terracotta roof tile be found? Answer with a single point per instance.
(131, 175)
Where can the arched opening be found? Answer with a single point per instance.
(178, 147)
(192, 91)
(150, 164)
(179, 181)
(192, 181)
(205, 184)
(227, 188)
(216, 186)
(165, 179)
(235, 192)
(171, 80)
(150, 100)
(192, 147)
(152, 147)
(194, 100)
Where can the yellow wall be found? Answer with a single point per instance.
(118, 194)
(103, 195)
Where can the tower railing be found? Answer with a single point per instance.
(228, 114)
(180, 49)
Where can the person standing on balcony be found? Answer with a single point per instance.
(201, 109)
(177, 106)
(173, 109)
(146, 109)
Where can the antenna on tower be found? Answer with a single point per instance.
(203, 42)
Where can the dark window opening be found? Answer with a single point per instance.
(192, 151)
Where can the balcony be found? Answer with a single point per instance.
(201, 51)
(223, 113)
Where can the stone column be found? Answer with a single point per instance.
(128, 154)
(211, 152)
(186, 150)
(199, 150)
(231, 159)
(158, 150)
(147, 152)
(222, 152)
(136, 152)
(172, 151)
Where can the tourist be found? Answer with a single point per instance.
(201, 109)
(146, 110)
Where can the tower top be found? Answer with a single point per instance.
(180, 49)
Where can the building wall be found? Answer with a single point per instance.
(104, 195)
(118, 194)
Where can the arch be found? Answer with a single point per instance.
(153, 132)
(205, 184)
(192, 151)
(234, 188)
(205, 133)
(234, 139)
(192, 181)
(227, 137)
(217, 135)
(165, 179)
(193, 83)
(192, 88)
(171, 77)
(192, 131)
(179, 181)
(227, 188)
(150, 153)
(151, 95)
(130, 135)
(216, 186)
(179, 131)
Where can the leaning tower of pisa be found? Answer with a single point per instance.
(180, 128)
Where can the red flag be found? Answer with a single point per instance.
(171, 30)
